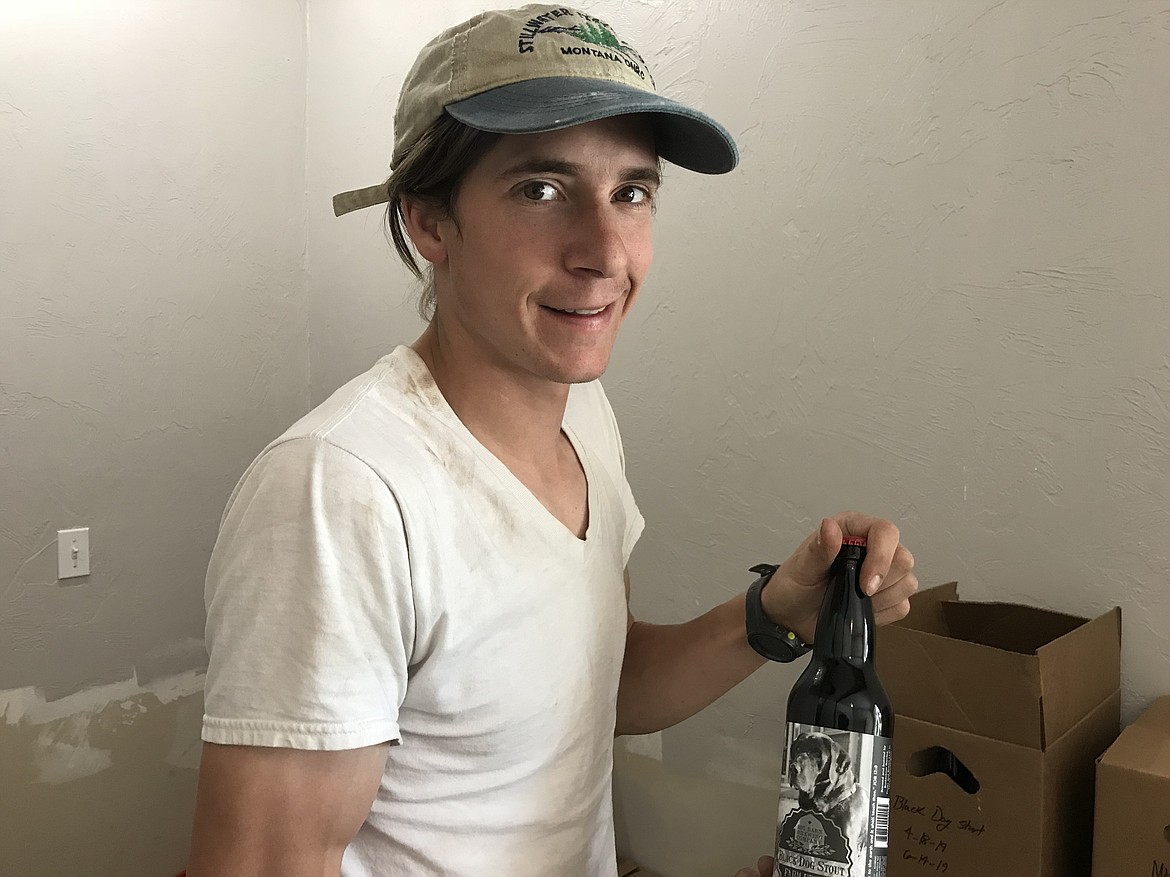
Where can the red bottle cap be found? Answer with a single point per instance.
(854, 540)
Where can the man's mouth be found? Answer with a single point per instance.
(586, 312)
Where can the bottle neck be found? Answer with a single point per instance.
(845, 628)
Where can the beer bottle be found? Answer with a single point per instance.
(835, 792)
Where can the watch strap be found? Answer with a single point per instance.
(773, 641)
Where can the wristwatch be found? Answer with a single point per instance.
(774, 642)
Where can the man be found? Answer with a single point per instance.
(417, 607)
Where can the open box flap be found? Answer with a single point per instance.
(961, 685)
(1078, 671)
(1008, 672)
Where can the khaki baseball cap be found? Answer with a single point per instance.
(539, 68)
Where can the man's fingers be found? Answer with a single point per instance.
(903, 559)
(881, 544)
(886, 560)
(894, 613)
(893, 601)
(900, 567)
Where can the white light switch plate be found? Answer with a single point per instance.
(72, 553)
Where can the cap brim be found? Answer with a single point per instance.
(683, 136)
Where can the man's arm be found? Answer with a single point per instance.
(671, 671)
(268, 812)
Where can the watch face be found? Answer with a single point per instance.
(777, 648)
(792, 647)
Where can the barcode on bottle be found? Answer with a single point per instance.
(881, 824)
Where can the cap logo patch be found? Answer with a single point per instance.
(599, 38)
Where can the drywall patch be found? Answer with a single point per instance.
(649, 745)
(75, 737)
(106, 775)
(61, 751)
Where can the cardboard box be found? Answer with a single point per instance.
(1001, 711)
(1132, 830)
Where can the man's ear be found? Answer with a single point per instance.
(422, 224)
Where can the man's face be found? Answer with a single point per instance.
(547, 224)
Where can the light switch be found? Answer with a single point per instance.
(72, 553)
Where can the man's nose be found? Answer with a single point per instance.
(597, 242)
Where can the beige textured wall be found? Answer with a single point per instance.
(935, 289)
(153, 321)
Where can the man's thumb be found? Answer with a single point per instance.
(809, 564)
(822, 548)
(828, 541)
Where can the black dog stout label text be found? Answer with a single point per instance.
(834, 804)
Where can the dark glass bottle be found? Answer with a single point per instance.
(834, 802)
(840, 688)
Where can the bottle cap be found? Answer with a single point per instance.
(854, 540)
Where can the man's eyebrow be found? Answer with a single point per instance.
(537, 166)
(643, 174)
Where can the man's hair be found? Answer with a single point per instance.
(430, 174)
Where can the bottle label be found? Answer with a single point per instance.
(834, 804)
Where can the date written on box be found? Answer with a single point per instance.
(929, 833)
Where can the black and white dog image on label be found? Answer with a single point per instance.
(823, 774)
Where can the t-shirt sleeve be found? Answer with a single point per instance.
(310, 618)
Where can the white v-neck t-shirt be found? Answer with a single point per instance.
(380, 575)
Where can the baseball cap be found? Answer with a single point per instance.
(539, 68)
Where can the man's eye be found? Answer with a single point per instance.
(633, 195)
(539, 191)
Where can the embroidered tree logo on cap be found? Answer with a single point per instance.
(599, 39)
(595, 33)
(598, 34)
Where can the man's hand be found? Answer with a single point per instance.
(763, 868)
(793, 596)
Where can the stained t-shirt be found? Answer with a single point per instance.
(380, 575)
